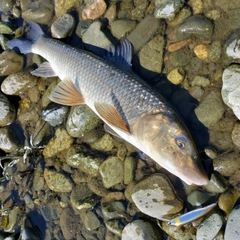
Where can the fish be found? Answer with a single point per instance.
(126, 103)
(191, 216)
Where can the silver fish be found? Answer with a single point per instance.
(120, 98)
(191, 216)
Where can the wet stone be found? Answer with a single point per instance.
(217, 183)
(57, 182)
(116, 226)
(13, 219)
(28, 201)
(231, 47)
(94, 9)
(81, 120)
(90, 221)
(181, 58)
(6, 4)
(62, 27)
(167, 9)
(200, 81)
(215, 51)
(7, 111)
(120, 28)
(155, 197)
(183, 14)
(198, 198)
(111, 171)
(113, 210)
(6, 141)
(105, 143)
(3, 42)
(176, 76)
(6, 28)
(197, 26)
(62, 7)
(111, 13)
(202, 52)
(236, 134)
(130, 165)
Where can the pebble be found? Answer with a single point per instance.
(197, 26)
(94, 9)
(234, 180)
(197, 6)
(202, 52)
(12, 220)
(215, 51)
(176, 76)
(90, 221)
(115, 226)
(151, 55)
(178, 45)
(105, 143)
(110, 176)
(231, 88)
(156, 197)
(120, 28)
(217, 183)
(81, 120)
(183, 14)
(198, 198)
(139, 11)
(143, 33)
(130, 166)
(3, 42)
(236, 135)
(62, 141)
(82, 27)
(6, 28)
(210, 227)
(140, 230)
(5, 5)
(61, 7)
(200, 81)
(7, 143)
(40, 11)
(232, 231)
(10, 62)
(28, 201)
(111, 13)
(213, 14)
(196, 92)
(210, 109)
(55, 114)
(167, 9)
(181, 57)
(231, 46)
(111, 210)
(227, 200)
(63, 26)
(7, 111)
(57, 182)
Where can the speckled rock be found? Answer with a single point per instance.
(176, 76)
(62, 6)
(167, 9)
(210, 109)
(10, 62)
(6, 141)
(94, 9)
(57, 182)
(120, 28)
(81, 120)
(143, 33)
(200, 81)
(231, 88)
(217, 183)
(183, 14)
(7, 111)
(155, 197)
(181, 58)
(209, 228)
(111, 210)
(62, 27)
(130, 165)
(105, 143)
(232, 231)
(197, 6)
(231, 47)
(90, 221)
(40, 11)
(236, 134)
(111, 171)
(227, 164)
(140, 230)
(215, 51)
(151, 55)
(202, 52)
(111, 13)
(61, 141)
(196, 92)
(115, 226)
(197, 198)
(198, 26)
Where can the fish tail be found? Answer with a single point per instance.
(32, 32)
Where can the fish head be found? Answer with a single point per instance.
(166, 139)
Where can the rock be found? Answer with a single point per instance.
(130, 166)
(7, 111)
(111, 210)
(231, 47)
(94, 9)
(13, 217)
(213, 14)
(232, 231)
(90, 221)
(178, 45)
(215, 51)
(62, 6)
(197, 6)
(167, 9)
(197, 26)
(116, 226)
(111, 13)
(217, 183)
(40, 11)
(143, 33)
(236, 134)
(8, 142)
(181, 58)
(55, 114)
(183, 14)
(5, 5)
(81, 120)
(82, 27)
(62, 141)
(57, 182)
(7, 198)
(120, 28)
(140, 230)
(231, 88)
(227, 200)
(10, 62)
(210, 109)
(176, 76)
(3, 42)
(96, 185)
(196, 92)
(6, 28)
(151, 55)
(198, 198)
(82, 197)
(234, 180)
(202, 52)
(155, 197)
(210, 227)
(200, 81)
(227, 164)
(28, 201)
(92, 136)
(63, 26)
(139, 11)
(105, 143)
(111, 171)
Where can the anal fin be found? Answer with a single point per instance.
(44, 70)
(111, 115)
(65, 93)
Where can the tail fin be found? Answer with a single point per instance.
(32, 33)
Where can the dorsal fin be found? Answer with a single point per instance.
(111, 115)
(44, 70)
(65, 93)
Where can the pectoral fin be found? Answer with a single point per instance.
(44, 70)
(111, 115)
(65, 93)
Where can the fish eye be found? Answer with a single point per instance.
(181, 142)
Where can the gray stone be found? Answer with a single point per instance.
(130, 165)
(215, 51)
(232, 46)
(217, 183)
(236, 134)
(197, 198)
(181, 58)
(167, 9)
(200, 81)
(28, 201)
(155, 197)
(232, 231)
(210, 227)
(90, 221)
(114, 209)
(231, 88)
(105, 143)
(6, 141)
(82, 27)
(115, 226)
(120, 28)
